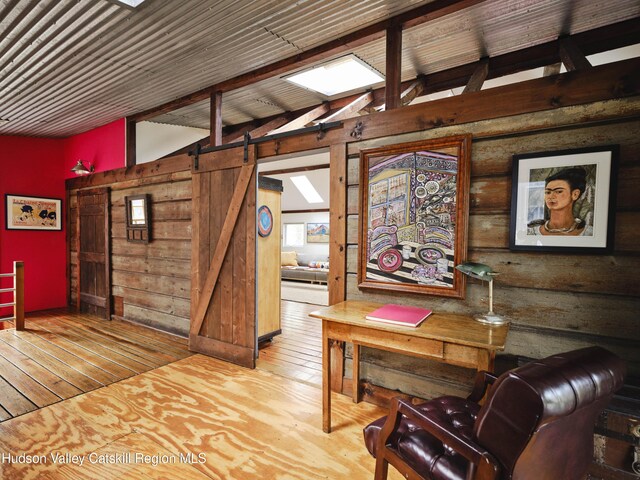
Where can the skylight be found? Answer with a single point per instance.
(337, 76)
(130, 3)
(307, 190)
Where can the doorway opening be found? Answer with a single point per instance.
(302, 270)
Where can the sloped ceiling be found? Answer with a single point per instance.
(291, 198)
(67, 66)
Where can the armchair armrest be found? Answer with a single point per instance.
(482, 382)
(482, 464)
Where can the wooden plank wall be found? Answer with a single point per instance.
(150, 282)
(556, 302)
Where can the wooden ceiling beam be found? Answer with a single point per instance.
(308, 168)
(593, 41)
(571, 55)
(302, 120)
(413, 91)
(352, 109)
(478, 77)
(590, 42)
(394, 67)
(553, 69)
(263, 129)
(425, 13)
(216, 118)
(410, 90)
(544, 55)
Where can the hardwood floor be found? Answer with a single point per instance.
(61, 354)
(297, 352)
(236, 423)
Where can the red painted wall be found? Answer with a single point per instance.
(38, 167)
(33, 167)
(102, 147)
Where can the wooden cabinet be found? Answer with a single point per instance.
(269, 193)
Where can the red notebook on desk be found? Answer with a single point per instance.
(403, 315)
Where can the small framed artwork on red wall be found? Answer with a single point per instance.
(33, 213)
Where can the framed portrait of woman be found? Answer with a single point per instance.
(564, 201)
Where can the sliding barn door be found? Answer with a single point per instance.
(94, 266)
(223, 282)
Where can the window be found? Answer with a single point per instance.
(293, 234)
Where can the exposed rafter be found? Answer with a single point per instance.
(304, 119)
(413, 91)
(410, 91)
(431, 11)
(479, 76)
(553, 69)
(351, 109)
(264, 128)
(571, 55)
(545, 55)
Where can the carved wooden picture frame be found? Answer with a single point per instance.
(414, 211)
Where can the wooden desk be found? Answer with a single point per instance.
(445, 337)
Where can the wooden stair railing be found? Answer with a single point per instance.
(18, 295)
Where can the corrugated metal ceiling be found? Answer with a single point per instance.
(72, 65)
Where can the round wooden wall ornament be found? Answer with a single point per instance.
(265, 221)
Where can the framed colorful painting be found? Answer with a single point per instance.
(317, 233)
(414, 210)
(564, 201)
(32, 213)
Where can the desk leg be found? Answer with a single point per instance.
(356, 373)
(486, 360)
(326, 379)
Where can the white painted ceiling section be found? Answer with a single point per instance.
(155, 140)
(292, 199)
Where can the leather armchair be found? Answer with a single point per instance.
(536, 423)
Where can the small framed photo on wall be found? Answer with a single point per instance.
(564, 201)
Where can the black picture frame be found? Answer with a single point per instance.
(27, 212)
(138, 223)
(535, 206)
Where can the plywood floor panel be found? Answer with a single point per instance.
(245, 423)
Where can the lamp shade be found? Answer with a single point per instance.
(477, 270)
(80, 169)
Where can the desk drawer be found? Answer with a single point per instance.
(391, 341)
